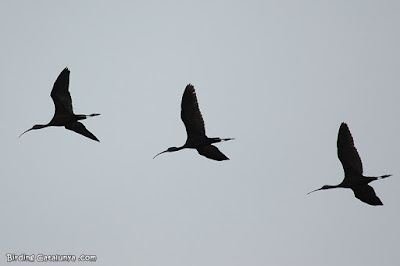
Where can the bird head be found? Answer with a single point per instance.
(171, 149)
(324, 187)
(34, 127)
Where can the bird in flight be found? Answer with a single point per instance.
(353, 170)
(196, 133)
(64, 115)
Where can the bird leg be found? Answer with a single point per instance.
(382, 176)
(215, 140)
(227, 139)
(373, 178)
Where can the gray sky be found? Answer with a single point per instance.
(279, 76)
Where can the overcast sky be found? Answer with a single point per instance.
(279, 76)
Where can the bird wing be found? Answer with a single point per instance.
(347, 153)
(366, 194)
(80, 129)
(60, 94)
(212, 152)
(190, 113)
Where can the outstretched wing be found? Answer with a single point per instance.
(190, 113)
(212, 152)
(347, 153)
(60, 94)
(81, 129)
(366, 194)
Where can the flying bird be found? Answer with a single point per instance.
(64, 115)
(196, 133)
(353, 170)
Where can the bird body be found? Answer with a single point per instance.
(195, 142)
(64, 115)
(195, 129)
(353, 170)
(62, 120)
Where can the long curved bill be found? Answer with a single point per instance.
(314, 191)
(25, 132)
(159, 153)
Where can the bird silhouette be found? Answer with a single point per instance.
(196, 133)
(64, 115)
(353, 170)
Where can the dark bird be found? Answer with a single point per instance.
(196, 133)
(353, 170)
(64, 116)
